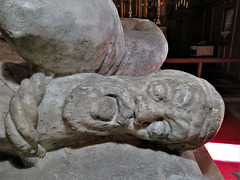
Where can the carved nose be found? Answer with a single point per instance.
(147, 110)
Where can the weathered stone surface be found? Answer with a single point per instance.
(146, 47)
(67, 37)
(5, 95)
(146, 115)
(108, 161)
(178, 114)
(81, 36)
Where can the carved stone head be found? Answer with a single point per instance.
(170, 107)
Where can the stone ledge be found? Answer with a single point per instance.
(112, 161)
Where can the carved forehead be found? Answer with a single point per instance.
(176, 83)
(199, 89)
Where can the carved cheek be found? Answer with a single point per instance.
(105, 109)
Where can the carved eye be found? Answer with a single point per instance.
(158, 92)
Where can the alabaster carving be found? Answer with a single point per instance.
(58, 106)
(180, 113)
(81, 36)
(146, 47)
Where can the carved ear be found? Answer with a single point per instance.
(82, 109)
(76, 109)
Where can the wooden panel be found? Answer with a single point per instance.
(233, 70)
(221, 53)
(228, 49)
(196, 28)
(208, 24)
(236, 42)
(217, 26)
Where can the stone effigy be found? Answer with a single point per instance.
(180, 114)
(60, 107)
(81, 36)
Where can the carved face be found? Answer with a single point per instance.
(157, 107)
(176, 108)
(169, 110)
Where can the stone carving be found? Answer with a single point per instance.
(43, 114)
(146, 47)
(81, 36)
(21, 121)
(180, 114)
